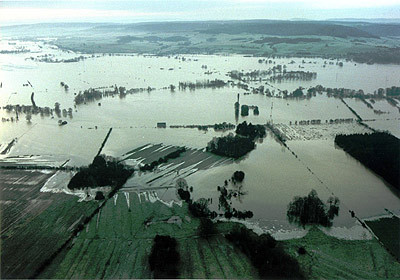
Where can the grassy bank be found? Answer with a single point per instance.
(332, 258)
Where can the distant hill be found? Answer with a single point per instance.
(266, 27)
(337, 28)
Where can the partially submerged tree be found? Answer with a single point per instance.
(310, 210)
(238, 176)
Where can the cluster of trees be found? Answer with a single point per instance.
(383, 56)
(164, 159)
(200, 209)
(278, 73)
(234, 146)
(248, 76)
(393, 91)
(49, 59)
(197, 208)
(35, 110)
(88, 95)
(92, 94)
(217, 127)
(379, 151)
(22, 50)
(297, 93)
(164, 258)
(244, 110)
(251, 131)
(310, 210)
(224, 203)
(270, 259)
(223, 126)
(101, 172)
(216, 83)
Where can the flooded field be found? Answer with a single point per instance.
(273, 174)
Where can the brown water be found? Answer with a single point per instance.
(273, 175)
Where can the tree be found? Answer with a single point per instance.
(298, 92)
(244, 110)
(57, 109)
(238, 176)
(28, 117)
(199, 208)
(99, 196)
(311, 210)
(206, 228)
(181, 184)
(164, 258)
(184, 195)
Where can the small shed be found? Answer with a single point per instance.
(161, 125)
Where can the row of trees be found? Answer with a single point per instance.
(216, 83)
(91, 94)
(36, 110)
(164, 159)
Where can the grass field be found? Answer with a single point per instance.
(117, 243)
(331, 258)
(34, 224)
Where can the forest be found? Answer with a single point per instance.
(378, 151)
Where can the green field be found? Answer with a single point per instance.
(34, 224)
(117, 243)
(331, 258)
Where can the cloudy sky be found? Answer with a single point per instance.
(32, 11)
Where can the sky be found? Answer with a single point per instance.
(33, 11)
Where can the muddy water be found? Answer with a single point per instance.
(273, 175)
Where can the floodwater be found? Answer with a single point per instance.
(273, 175)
